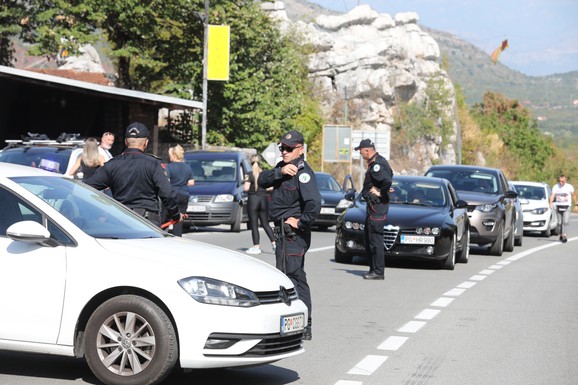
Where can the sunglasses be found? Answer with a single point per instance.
(288, 149)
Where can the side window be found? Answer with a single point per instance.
(14, 210)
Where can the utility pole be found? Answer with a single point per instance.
(205, 82)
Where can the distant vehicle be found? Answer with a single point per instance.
(519, 232)
(218, 196)
(535, 202)
(83, 276)
(434, 226)
(332, 193)
(36, 150)
(491, 205)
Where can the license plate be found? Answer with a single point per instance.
(196, 209)
(292, 323)
(417, 240)
(327, 210)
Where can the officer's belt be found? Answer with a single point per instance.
(152, 216)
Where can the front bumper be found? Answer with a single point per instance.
(484, 226)
(537, 222)
(210, 213)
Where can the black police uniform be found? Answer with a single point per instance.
(293, 196)
(137, 180)
(379, 175)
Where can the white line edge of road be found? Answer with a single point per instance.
(371, 363)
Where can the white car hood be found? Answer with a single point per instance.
(185, 258)
(534, 204)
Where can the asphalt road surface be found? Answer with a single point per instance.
(496, 320)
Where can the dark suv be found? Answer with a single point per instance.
(38, 151)
(491, 205)
(218, 196)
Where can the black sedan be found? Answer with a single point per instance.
(331, 195)
(426, 220)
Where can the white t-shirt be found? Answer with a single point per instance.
(104, 152)
(563, 194)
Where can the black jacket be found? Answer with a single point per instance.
(379, 174)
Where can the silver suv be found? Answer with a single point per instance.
(38, 151)
(491, 205)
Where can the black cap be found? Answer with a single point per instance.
(365, 143)
(136, 130)
(292, 139)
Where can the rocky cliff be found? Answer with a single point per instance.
(372, 62)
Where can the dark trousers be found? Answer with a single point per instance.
(183, 201)
(290, 259)
(374, 248)
(258, 210)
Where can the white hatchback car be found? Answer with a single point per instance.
(82, 276)
(535, 200)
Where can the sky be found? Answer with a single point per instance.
(542, 34)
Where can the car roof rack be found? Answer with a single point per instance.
(31, 139)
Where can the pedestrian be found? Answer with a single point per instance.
(295, 205)
(258, 200)
(375, 191)
(180, 176)
(561, 202)
(137, 179)
(88, 161)
(106, 142)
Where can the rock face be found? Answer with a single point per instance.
(373, 62)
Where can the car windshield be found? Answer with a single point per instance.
(417, 193)
(531, 192)
(92, 211)
(327, 183)
(218, 170)
(48, 158)
(472, 181)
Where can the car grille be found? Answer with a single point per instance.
(270, 345)
(389, 236)
(268, 297)
(224, 217)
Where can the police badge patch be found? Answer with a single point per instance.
(376, 168)
(304, 178)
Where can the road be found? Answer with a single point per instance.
(495, 320)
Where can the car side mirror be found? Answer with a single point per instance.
(31, 232)
(461, 204)
(511, 194)
(350, 195)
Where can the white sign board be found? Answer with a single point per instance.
(381, 139)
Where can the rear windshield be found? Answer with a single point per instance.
(47, 158)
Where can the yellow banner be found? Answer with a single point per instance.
(218, 52)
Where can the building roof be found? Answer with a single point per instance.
(92, 88)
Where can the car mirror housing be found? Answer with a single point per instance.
(511, 194)
(460, 204)
(350, 195)
(31, 232)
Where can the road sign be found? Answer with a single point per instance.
(381, 139)
(271, 154)
(336, 143)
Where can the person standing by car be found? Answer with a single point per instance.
(89, 161)
(138, 180)
(181, 176)
(106, 143)
(375, 191)
(258, 206)
(295, 205)
(562, 195)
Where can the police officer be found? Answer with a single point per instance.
(138, 180)
(295, 204)
(375, 191)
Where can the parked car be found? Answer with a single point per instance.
(84, 276)
(535, 202)
(434, 227)
(37, 150)
(218, 196)
(519, 228)
(331, 195)
(491, 205)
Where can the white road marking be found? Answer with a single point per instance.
(478, 277)
(345, 382)
(411, 327)
(504, 263)
(454, 292)
(320, 249)
(466, 285)
(487, 272)
(428, 314)
(496, 267)
(442, 302)
(368, 365)
(393, 343)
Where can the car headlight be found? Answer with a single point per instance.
(487, 207)
(427, 230)
(213, 291)
(344, 204)
(224, 198)
(540, 210)
(354, 225)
